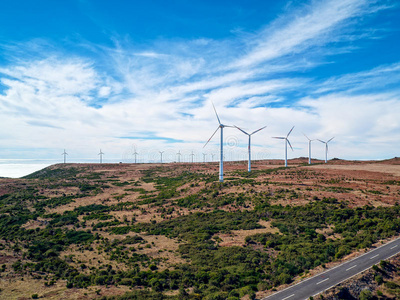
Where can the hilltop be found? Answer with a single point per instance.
(172, 231)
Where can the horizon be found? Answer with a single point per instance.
(127, 76)
(18, 170)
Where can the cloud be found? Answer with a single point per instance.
(311, 26)
(160, 97)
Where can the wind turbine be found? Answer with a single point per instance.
(65, 155)
(179, 156)
(101, 156)
(286, 143)
(135, 153)
(221, 161)
(309, 149)
(212, 156)
(249, 147)
(161, 152)
(192, 155)
(326, 148)
(204, 157)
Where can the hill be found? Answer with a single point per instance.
(172, 231)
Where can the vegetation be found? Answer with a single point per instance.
(59, 224)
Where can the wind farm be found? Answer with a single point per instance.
(217, 150)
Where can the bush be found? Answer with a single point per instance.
(35, 296)
(366, 295)
(379, 279)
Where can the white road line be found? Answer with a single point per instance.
(323, 281)
(394, 247)
(351, 267)
(288, 297)
(374, 256)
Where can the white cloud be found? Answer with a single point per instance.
(163, 94)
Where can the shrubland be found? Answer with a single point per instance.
(158, 230)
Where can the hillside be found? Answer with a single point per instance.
(172, 231)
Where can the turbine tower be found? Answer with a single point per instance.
(101, 156)
(309, 149)
(221, 160)
(204, 157)
(65, 155)
(161, 152)
(326, 148)
(249, 147)
(286, 143)
(179, 156)
(136, 154)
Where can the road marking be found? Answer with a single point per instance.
(288, 297)
(394, 247)
(351, 267)
(323, 281)
(374, 256)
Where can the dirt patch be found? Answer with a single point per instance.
(237, 237)
(369, 167)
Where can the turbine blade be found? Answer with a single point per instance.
(289, 132)
(241, 130)
(211, 137)
(216, 113)
(289, 144)
(330, 139)
(279, 137)
(321, 141)
(257, 130)
(306, 136)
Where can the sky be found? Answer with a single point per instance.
(126, 76)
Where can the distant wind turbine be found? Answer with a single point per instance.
(136, 154)
(204, 157)
(192, 155)
(101, 156)
(212, 156)
(161, 152)
(286, 143)
(221, 161)
(65, 155)
(249, 147)
(179, 156)
(309, 149)
(326, 148)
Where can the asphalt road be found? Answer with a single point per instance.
(323, 281)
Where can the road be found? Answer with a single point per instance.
(323, 281)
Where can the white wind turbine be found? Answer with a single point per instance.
(309, 149)
(65, 155)
(204, 157)
(221, 161)
(249, 147)
(179, 156)
(161, 152)
(135, 154)
(101, 156)
(326, 148)
(286, 143)
(192, 155)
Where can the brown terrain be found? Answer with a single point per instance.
(357, 183)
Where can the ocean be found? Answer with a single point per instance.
(16, 168)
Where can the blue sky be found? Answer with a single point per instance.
(125, 75)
